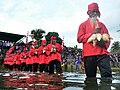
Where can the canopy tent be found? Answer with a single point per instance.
(10, 36)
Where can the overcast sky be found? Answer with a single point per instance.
(62, 16)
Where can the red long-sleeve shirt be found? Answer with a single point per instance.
(56, 55)
(43, 59)
(84, 32)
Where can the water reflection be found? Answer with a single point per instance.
(66, 81)
(104, 84)
(32, 81)
(78, 81)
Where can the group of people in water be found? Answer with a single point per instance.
(44, 58)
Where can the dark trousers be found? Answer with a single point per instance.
(6, 66)
(23, 66)
(57, 65)
(43, 67)
(29, 67)
(35, 67)
(18, 67)
(11, 67)
(90, 84)
(14, 66)
(102, 61)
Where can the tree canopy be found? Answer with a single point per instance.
(115, 47)
(48, 36)
(37, 34)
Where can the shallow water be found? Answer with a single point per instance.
(67, 81)
(77, 81)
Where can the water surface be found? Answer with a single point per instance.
(67, 81)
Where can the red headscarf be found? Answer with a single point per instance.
(43, 41)
(93, 6)
(18, 51)
(53, 38)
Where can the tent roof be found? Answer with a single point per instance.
(10, 36)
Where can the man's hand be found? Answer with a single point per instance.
(97, 30)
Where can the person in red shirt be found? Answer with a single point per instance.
(14, 59)
(94, 54)
(23, 60)
(10, 50)
(6, 65)
(43, 59)
(8, 61)
(32, 60)
(53, 50)
(35, 58)
(11, 61)
(29, 59)
(18, 60)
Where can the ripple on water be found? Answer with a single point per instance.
(73, 88)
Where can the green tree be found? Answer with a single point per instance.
(48, 36)
(37, 34)
(115, 47)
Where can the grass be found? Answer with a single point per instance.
(114, 69)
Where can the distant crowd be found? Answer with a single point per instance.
(115, 59)
(5, 45)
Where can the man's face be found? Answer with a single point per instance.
(44, 44)
(93, 13)
(53, 41)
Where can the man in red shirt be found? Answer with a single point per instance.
(23, 60)
(94, 54)
(34, 54)
(53, 50)
(43, 58)
(18, 60)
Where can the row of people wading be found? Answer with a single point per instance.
(44, 58)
